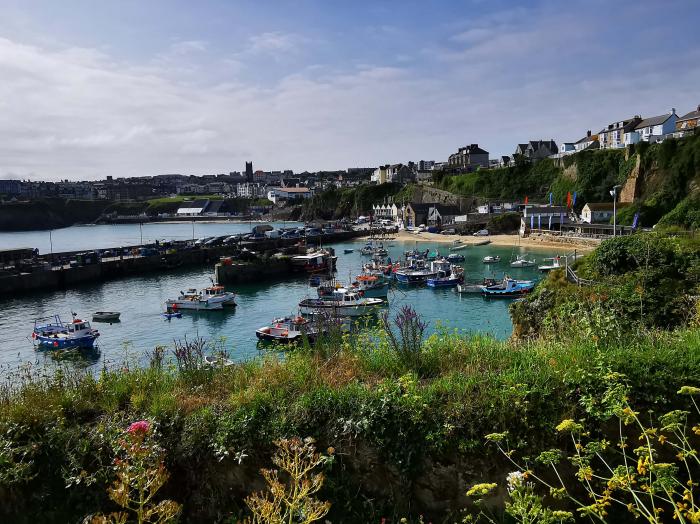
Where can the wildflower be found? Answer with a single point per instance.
(479, 490)
(515, 479)
(563, 516)
(496, 437)
(662, 439)
(136, 428)
(240, 455)
(689, 390)
(331, 450)
(569, 426)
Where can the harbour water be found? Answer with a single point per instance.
(141, 300)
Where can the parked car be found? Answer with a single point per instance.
(482, 233)
(202, 241)
(450, 231)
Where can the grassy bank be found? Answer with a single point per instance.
(408, 434)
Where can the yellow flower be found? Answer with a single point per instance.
(569, 426)
(480, 490)
(662, 439)
(689, 390)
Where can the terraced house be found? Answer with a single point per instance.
(688, 123)
(469, 158)
(613, 136)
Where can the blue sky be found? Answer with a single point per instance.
(89, 89)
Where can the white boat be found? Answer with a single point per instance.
(555, 264)
(457, 247)
(287, 330)
(521, 261)
(211, 298)
(491, 260)
(482, 243)
(342, 303)
(106, 316)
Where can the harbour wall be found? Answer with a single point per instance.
(116, 268)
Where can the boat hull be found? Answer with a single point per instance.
(380, 291)
(290, 339)
(412, 278)
(66, 343)
(193, 305)
(505, 294)
(443, 282)
(314, 307)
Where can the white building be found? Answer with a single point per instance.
(653, 129)
(250, 190)
(599, 212)
(279, 194)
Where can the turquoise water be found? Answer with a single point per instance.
(141, 300)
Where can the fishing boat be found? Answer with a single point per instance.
(455, 257)
(106, 316)
(316, 260)
(417, 272)
(509, 287)
(521, 261)
(286, 330)
(491, 260)
(371, 286)
(53, 333)
(211, 298)
(342, 303)
(457, 246)
(448, 275)
(170, 315)
(348, 251)
(555, 264)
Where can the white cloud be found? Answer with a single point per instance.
(77, 112)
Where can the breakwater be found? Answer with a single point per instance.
(43, 276)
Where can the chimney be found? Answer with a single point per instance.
(589, 133)
(673, 110)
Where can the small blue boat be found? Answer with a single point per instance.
(455, 257)
(508, 288)
(53, 333)
(175, 314)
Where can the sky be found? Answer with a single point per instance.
(137, 88)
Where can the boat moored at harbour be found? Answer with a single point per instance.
(554, 264)
(491, 259)
(287, 330)
(343, 303)
(211, 298)
(106, 316)
(53, 333)
(509, 287)
(371, 286)
(448, 275)
(522, 261)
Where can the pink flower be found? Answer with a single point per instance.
(142, 426)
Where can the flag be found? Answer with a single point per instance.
(550, 220)
(532, 221)
(635, 221)
(551, 196)
(568, 199)
(574, 201)
(539, 221)
(526, 200)
(561, 218)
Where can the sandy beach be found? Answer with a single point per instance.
(499, 240)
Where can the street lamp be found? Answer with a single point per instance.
(613, 193)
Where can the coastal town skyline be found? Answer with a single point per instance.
(119, 90)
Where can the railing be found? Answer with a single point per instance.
(571, 275)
